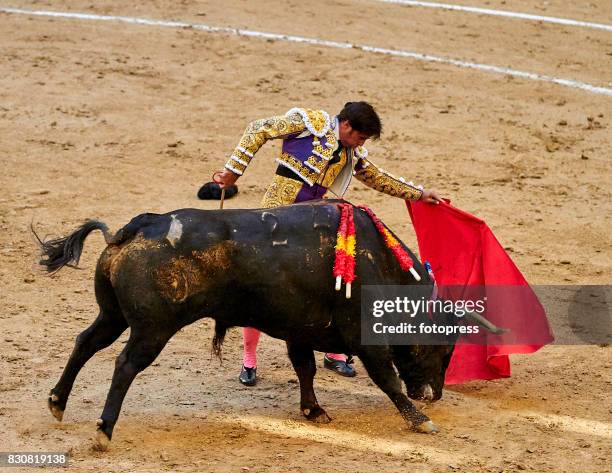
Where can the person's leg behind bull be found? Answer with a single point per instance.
(285, 191)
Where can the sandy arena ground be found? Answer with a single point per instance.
(108, 120)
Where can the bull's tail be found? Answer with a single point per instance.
(66, 251)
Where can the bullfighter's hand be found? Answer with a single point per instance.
(430, 196)
(225, 178)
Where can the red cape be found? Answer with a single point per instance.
(463, 251)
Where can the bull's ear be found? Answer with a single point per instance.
(487, 324)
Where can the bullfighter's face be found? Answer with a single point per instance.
(350, 137)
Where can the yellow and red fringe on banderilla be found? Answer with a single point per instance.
(344, 266)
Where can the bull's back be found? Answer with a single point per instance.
(261, 267)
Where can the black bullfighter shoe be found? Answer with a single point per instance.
(248, 376)
(341, 367)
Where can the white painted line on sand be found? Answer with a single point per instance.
(319, 42)
(504, 13)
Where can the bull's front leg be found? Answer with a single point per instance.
(302, 358)
(378, 364)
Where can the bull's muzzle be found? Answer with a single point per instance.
(424, 393)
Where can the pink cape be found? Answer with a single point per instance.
(462, 251)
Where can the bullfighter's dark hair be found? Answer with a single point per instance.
(362, 117)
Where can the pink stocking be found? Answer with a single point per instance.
(250, 338)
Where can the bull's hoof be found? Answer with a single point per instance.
(427, 427)
(101, 442)
(53, 405)
(317, 415)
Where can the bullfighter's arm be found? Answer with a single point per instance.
(257, 133)
(382, 181)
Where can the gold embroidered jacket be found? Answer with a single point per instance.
(309, 140)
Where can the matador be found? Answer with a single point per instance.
(320, 154)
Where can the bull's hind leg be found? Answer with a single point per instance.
(377, 362)
(101, 333)
(140, 351)
(303, 362)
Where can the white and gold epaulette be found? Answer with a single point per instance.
(317, 121)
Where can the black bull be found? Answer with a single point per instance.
(269, 269)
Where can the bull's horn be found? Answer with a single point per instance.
(483, 322)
